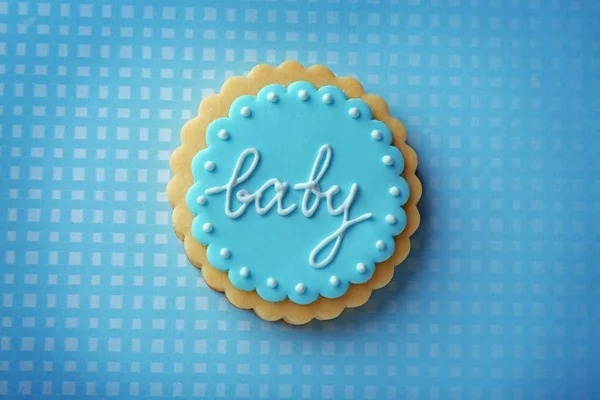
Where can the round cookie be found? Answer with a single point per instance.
(294, 192)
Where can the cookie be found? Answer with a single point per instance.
(294, 192)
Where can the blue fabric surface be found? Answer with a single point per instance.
(498, 300)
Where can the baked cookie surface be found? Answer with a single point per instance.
(294, 192)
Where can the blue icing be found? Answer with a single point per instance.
(288, 134)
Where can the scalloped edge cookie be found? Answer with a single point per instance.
(193, 140)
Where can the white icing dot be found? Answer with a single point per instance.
(327, 98)
(387, 160)
(390, 219)
(271, 282)
(207, 227)
(278, 186)
(242, 194)
(376, 134)
(300, 288)
(201, 200)
(223, 134)
(394, 191)
(334, 280)
(354, 112)
(244, 272)
(303, 95)
(272, 97)
(245, 111)
(209, 165)
(361, 267)
(225, 253)
(380, 245)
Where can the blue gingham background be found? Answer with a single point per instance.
(498, 300)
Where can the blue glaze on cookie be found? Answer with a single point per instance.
(287, 127)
